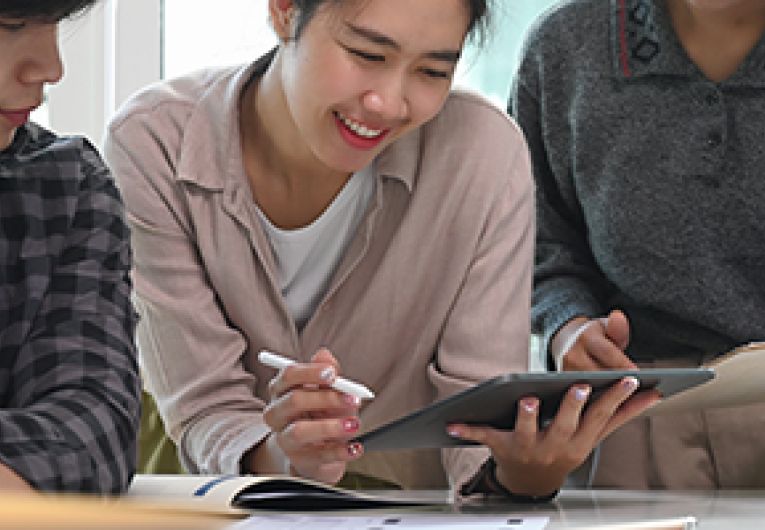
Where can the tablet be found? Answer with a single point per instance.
(495, 401)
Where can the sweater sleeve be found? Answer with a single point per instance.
(567, 281)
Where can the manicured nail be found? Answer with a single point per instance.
(354, 401)
(630, 383)
(453, 431)
(355, 449)
(328, 374)
(350, 425)
(581, 393)
(529, 404)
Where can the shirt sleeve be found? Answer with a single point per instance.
(567, 281)
(489, 317)
(73, 395)
(207, 402)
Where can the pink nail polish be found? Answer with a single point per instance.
(355, 449)
(529, 405)
(581, 394)
(328, 374)
(630, 383)
(354, 401)
(350, 425)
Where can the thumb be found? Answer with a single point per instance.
(618, 329)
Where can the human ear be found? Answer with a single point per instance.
(282, 14)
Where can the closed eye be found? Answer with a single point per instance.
(436, 74)
(12, 26)
(373, 57)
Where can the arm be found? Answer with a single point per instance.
(569, 287)
(191, 356)
(487, 331)
(73, 407)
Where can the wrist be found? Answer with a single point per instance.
(265, 458)
(486, 481)
(564, 339)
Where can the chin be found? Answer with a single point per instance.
(6, 140)
(716, 5)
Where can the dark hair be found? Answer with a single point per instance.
(477, 26)
(43, 10)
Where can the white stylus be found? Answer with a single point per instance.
(340, 384)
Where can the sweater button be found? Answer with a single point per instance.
(713, 98)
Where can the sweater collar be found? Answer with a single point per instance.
(645, 44)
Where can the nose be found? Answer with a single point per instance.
(43, 61)
(388, 100)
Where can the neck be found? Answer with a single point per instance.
(746, 15)
(270, 135)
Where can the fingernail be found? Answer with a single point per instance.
(352, 400)
(350, 425)
(328, 374)
(630, 383)
(581, 393)
(355, 449)
(529, 404)
(453, 431)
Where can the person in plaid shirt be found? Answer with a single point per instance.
(69, 386)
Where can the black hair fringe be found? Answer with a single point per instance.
(43, 10)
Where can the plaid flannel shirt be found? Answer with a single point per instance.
(69, 386)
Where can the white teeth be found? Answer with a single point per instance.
(358, 128)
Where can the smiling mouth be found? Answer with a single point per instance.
(358, 128)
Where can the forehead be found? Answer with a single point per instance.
(429, 23)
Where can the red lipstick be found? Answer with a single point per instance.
(356, 140)
(17, 118)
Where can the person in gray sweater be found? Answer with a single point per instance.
(646, 123)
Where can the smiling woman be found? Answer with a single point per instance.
(335, 201)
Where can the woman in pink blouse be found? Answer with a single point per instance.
(335, 202)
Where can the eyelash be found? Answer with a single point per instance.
(367, 56)
(10, 26)
(371, 57)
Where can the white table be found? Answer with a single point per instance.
(716, 510)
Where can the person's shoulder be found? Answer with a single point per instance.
(43, 147)
(469, 118)
(571, 17)
(565, 25)
(174, 99)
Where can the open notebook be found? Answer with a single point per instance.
(231, 493)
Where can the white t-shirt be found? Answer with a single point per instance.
(306, 258)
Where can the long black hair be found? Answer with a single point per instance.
(477, 25)
(43, 10)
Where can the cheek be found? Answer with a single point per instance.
(425, 102)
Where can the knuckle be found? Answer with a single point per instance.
(273, 388)
(295, 432)
(294, 400)
(269, 416)
(565, 429)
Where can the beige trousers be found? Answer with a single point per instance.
(710, 449)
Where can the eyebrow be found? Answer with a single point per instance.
(448, 56)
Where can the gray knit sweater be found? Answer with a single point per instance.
(650, 180)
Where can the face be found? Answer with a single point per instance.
(29, 59)
(365, 72)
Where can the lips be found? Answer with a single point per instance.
(357, 134)
(17, 118)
